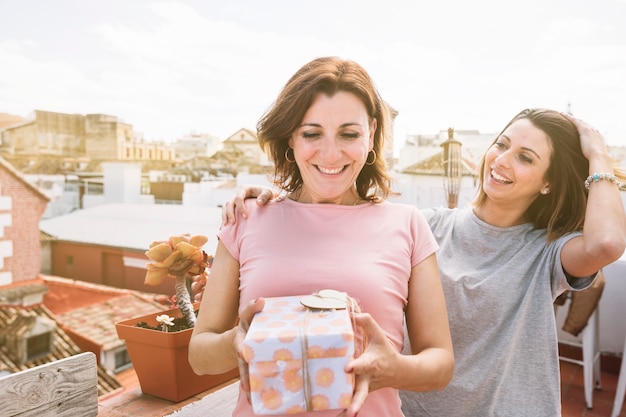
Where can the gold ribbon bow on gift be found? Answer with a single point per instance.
(327, 300)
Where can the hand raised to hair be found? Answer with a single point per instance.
(591, 140)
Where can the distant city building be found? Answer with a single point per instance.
(196, 145)
(245, 144)
(240, 153)
(7, 120)
(390, 146)
(21, 207)
(423, 146)
(96, 136)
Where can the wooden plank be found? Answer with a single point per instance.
(220, 403)
(58, 389)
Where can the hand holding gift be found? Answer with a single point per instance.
(243, 326)
(297, 355)
(370, 365)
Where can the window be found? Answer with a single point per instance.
(122, 360)
(69, 262)
(38, 345)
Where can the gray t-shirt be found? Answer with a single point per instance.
(500, 284)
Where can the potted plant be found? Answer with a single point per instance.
(158, 343)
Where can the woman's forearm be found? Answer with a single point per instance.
(431, 369)
(213, 353)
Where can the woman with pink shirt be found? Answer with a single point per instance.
(335, 229)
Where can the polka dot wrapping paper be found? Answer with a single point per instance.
(296, 358)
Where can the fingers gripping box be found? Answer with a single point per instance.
(296, 357)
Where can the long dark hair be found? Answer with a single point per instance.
(563, 209)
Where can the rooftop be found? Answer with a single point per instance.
(20, 320)
(134, 226)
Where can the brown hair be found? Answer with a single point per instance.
(326, 75)
(563, 209)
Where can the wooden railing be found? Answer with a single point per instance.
(63, 388)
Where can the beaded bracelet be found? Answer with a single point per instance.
(597, 177)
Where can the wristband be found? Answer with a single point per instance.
(595, 177)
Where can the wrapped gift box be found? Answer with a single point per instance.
(296, 357)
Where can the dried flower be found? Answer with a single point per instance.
(180, 257)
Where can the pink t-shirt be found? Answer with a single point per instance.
(288, 248)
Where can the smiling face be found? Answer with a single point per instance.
(331, 146)
(516, 165)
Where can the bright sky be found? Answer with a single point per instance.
(173, 67)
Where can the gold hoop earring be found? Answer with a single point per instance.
(368, 157)
(287, 156)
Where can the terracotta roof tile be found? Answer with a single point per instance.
(97, 321)
(91, 310)
(63, 348)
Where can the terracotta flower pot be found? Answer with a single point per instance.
(160, 359)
